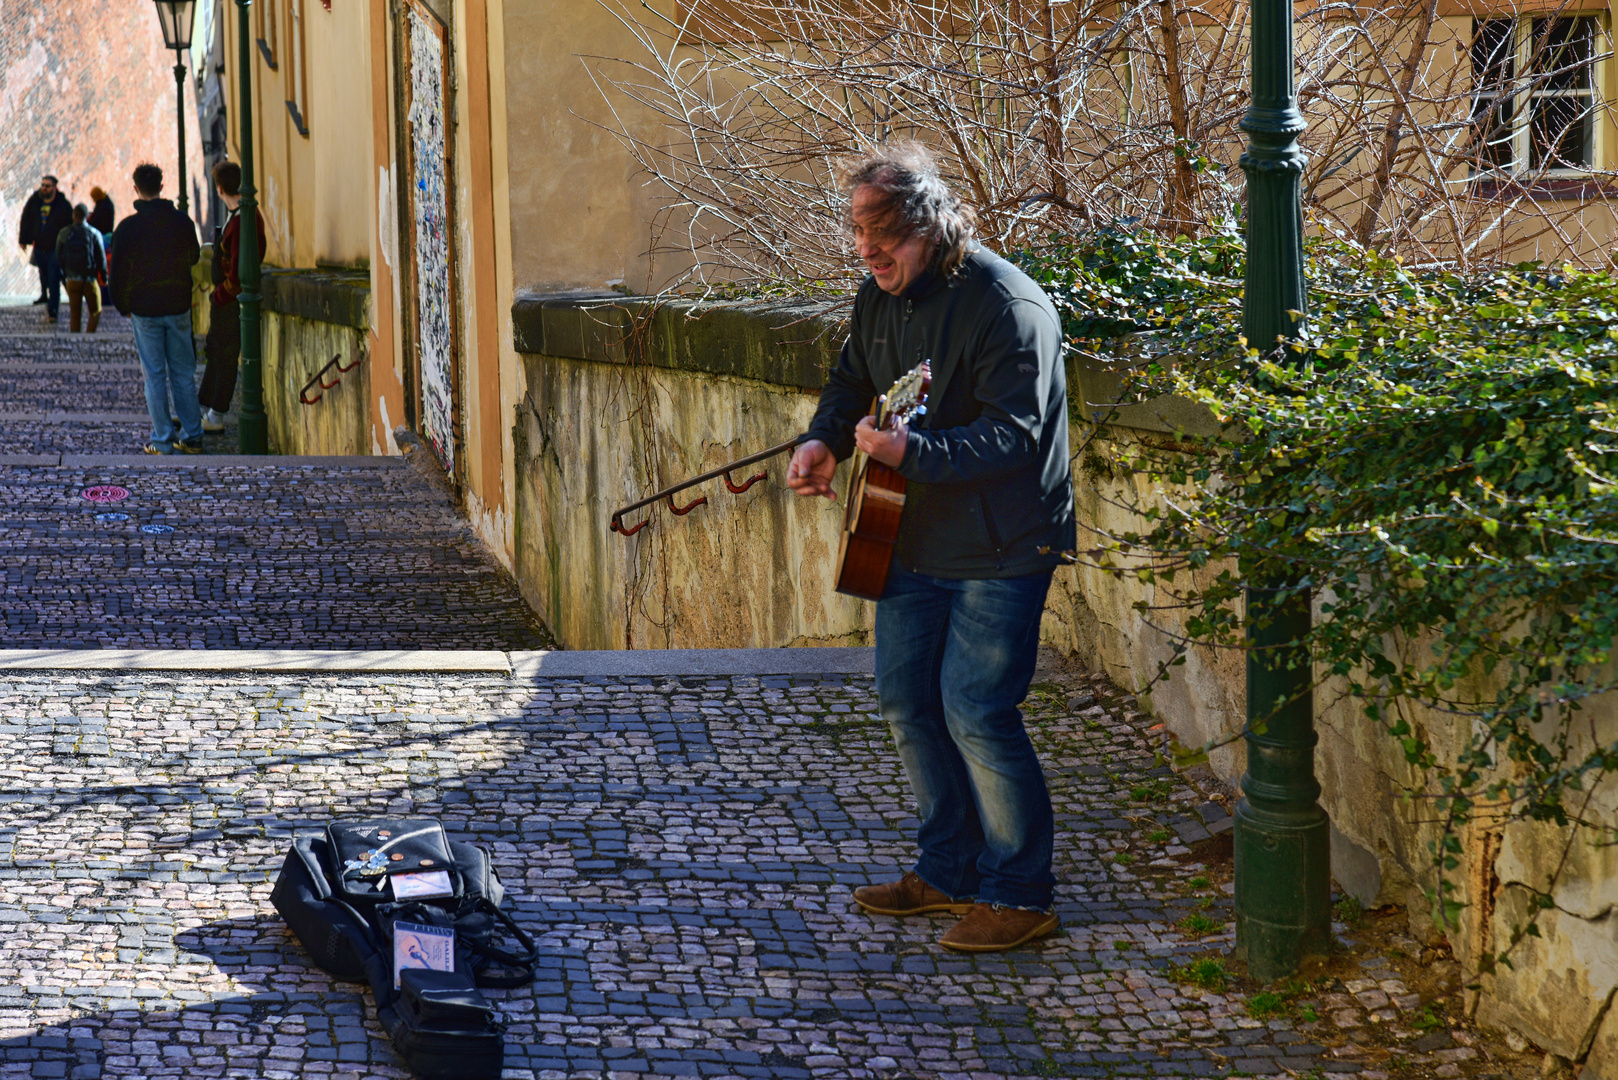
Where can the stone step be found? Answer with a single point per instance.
(247, 553)
(545, 664)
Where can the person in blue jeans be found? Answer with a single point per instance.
(44, 216)
(988, 510)
(153, 251)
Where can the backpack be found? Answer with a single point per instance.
(336, 894)
(78, 255)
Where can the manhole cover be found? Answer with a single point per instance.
(109, 516)
(157, 529)
(106, 493)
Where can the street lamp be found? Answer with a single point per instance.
(174, 16)
(1282, 840)
(253, 430)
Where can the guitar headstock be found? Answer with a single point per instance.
(906, 399)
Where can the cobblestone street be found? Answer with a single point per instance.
(682, 847)
(209, 551)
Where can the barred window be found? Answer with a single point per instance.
(1534, 96)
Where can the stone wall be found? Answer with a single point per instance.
(86, 94)
(622, 400)
(308, 317)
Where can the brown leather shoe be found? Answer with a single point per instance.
(908, 896)
(992, 928)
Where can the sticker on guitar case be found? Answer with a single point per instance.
(416, 946)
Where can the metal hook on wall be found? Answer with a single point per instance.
(681, 511)
(616, 521)
(618, 526)
(734, 490)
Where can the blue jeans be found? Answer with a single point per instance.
(170, 359)
(50, 283)
(953, 663)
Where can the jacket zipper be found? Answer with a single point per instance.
(904, 337)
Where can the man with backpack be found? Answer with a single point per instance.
(153, 251)
(84, 266)
(44, 216)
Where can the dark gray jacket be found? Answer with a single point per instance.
(42, 233)
(989, 478)
(153, 251)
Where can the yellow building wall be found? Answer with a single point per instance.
(314, 192)
(579, 214)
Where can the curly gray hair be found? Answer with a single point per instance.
(906, 175)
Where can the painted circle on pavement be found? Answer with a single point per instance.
(106, 493)
(109, 516)
(156, 530)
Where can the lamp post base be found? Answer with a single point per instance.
(1283, 888)
(252, 433)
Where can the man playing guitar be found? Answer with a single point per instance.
(989, 497)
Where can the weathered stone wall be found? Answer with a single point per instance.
(1558, 989)
(611, 414)
(308, 317)
(86, 94)
(596, 431)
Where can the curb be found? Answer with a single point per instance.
(789, 661)
(74, 365)
(522, 665)
(203, 461)
(59, 417)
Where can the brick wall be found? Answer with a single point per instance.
(86, 93)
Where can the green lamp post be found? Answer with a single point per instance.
(1282, 840)
(174, 16)
(253, 430)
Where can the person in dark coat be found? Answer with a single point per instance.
(224, 344)
(102, 217)
(101, 212)
(153, 251)
(44, 217)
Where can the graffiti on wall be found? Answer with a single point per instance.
(429, 178)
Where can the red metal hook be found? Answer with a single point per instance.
(734, 490)
(618, 527)
(682, 511)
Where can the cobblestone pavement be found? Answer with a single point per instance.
(66, 393)
(204, 554)
(365, 556)
(683, 850)
(30, 319)
(109, 386)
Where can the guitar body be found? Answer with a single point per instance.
(876, 501)
(876, 497)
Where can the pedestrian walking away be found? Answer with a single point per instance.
(101, 212)
(224, 343)
(83, 260)
(153, 251)
(44, 216)
(989, 501)
(102, 217)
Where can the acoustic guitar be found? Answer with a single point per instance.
(876, 499)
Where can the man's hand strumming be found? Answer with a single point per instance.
(812, 468)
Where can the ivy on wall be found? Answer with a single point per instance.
(1436, 459)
